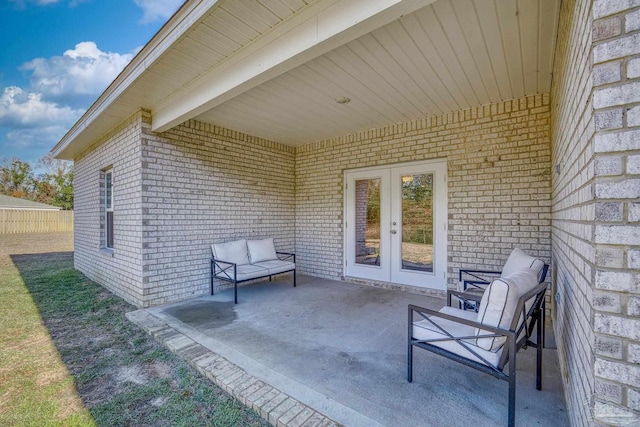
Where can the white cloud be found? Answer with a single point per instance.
(32, 123)
(84, 71)
(156, 10)
(43, 137)
(22, 109)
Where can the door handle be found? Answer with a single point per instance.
(393, 231)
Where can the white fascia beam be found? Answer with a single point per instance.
(324, 26)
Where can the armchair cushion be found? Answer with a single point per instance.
(235, 252)
(425, 330)
(261, 250)
(519, 260)
(499, 303)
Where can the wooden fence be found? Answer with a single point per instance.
(34, 221)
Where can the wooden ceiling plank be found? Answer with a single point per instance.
(259, 11)
(442, 45)
(422, 70)
(281, 10)
(350, 86)
(263, 123)
(508, 24)
(371, 51)
(296, 5)
(450, 24)
(470, 29)
(529, 22)
(217, 40)
(226, 23)
(547, 34)
(329, 90)
(402, 67)
(488, 19)
(194, 50)
(246, 16)
(369, 78)
(431, 56)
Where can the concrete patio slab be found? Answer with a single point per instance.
(330, 352)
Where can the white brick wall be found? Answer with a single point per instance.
(595, 231)
(573, 127)
(202, 184)
(499, 183)
(119, 270)
(616, 228)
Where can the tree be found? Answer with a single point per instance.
(54, 186)
(16, 178)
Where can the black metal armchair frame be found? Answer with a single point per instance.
(517, 337)
(478, 280)
(228, 271)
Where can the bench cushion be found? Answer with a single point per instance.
(499, 303)
(244, 272)
(261, 250)
(519, 260)
(425, 330)
(235, 252)
(276, 266)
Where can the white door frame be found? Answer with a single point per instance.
(390, 269)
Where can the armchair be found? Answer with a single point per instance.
(489, 340)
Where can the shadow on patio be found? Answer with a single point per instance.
(340, 349)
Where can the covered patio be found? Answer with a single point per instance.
(254, 120)
(339, 349)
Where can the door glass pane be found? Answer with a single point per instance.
(368, 222)
(417, 222)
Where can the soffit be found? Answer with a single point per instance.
(450, 55)
(444, 57)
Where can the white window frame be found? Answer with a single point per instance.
(108, 209)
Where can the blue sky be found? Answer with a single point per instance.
(56, 58)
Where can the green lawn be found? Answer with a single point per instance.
(68, 356)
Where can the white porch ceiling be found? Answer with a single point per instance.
(444, 57)
(396, 60)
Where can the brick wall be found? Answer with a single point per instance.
(616, 189)
(573, 210)
(595, 134)
(120, 269)
(498, 181)
(203, 184)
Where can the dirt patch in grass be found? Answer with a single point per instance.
(70, 337)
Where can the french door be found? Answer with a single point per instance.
(395, 224)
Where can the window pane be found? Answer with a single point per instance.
(417, 222)
(368, 221)
(110, 229)
(108, 190)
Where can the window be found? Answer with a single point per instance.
(108, 207)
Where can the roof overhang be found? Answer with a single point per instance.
(276, 72)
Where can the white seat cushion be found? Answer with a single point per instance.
(499, 303)
(261, 250)
(425, 330)
(277, 266)
(244, 272)
(519, 260)
(235, 252)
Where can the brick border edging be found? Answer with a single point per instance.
(274, 406)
